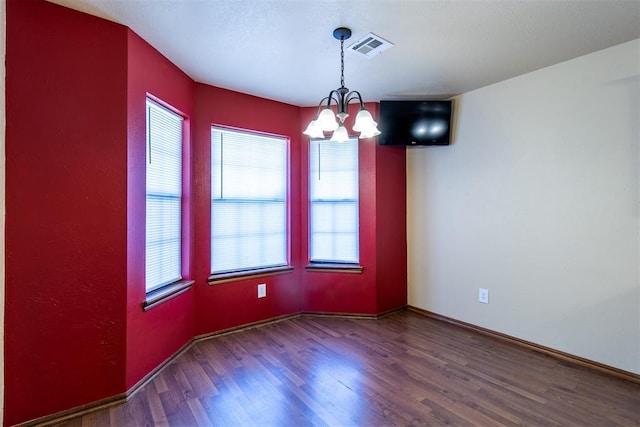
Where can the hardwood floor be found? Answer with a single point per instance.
(404, 369)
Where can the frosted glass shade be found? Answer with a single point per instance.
(340, 134)
(313, 130)
(370, 133)
(364, 121)
(327, 120)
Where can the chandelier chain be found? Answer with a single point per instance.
(341, 61)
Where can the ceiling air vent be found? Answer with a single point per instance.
(370, 45)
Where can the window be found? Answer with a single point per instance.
(333, 195)
(248, 201)
(163, 197)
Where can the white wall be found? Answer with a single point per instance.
(2, 209)
(537, 200)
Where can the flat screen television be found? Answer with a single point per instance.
(415, 122)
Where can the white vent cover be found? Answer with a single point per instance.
(370, 45)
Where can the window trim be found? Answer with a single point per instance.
(334, 267)
(233, 276)
(164, 293)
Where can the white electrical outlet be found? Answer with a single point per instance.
(262, 290)
(483, 296)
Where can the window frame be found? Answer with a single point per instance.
(230, 275)
(160, 293)
(328, 265)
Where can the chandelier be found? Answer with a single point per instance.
(325, 120)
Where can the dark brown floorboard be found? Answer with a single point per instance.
(404, 369)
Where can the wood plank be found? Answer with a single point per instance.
(403, 369)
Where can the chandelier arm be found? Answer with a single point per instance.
(334, 96)
(319, 109)
(354, 94)
(326, 98)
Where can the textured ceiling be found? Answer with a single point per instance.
(284, 49)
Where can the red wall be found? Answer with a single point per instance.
(66, 216)
(235, 303)
(154, 335)
(75, 331)
(391, 226)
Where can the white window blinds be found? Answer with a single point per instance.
(333, 194)
(248, 201)
(164, 196)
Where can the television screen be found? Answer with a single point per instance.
(415, 122)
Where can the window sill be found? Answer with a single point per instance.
(219, 278)
(334, 268)
(165, 293)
